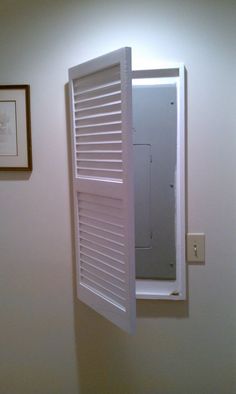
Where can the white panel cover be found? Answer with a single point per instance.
(100, 92)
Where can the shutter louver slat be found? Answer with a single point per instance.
(107, 273)
(99, 138)
(101, 231)
(98, 109)
(102, 147)
(99, 156)
(98, 256)
(101, 115)
(99, 128)
(101, 246)
(99, 119)
(103, 266)
(101, 221)
(101, 241)
(90, 134)
(101, 225)
(100, 236)
(99, 216)
(98, 79)
(98, 93)
(98, 289)
(113, 210)
(89, 271)
(109, 99)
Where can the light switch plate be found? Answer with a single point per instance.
(196, 248)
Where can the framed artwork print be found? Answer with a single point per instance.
(15, 131)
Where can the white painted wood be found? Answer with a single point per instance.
(176, 289)
(100, 93)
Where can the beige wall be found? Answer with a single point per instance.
(50, 343)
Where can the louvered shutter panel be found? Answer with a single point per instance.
(100, 92)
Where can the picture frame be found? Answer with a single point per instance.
(15, 128)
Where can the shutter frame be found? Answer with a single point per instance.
(119, 191)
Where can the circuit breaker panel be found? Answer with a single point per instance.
(155, 139)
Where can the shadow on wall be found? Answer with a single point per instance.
(96, 338)
(101, 347)
(159, 309)
(15, 175)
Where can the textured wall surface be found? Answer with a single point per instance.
(49, 342)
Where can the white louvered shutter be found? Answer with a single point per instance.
(100, 93)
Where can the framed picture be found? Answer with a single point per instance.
(15, 132)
